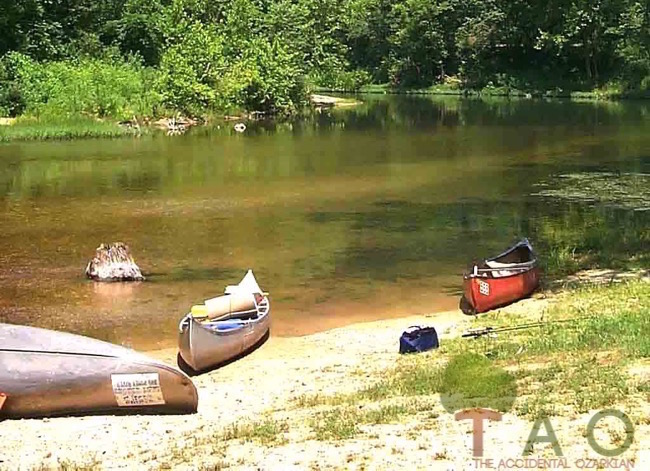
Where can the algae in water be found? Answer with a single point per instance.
(621, 190)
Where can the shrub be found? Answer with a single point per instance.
(190, 68)
(265, 79)
(336, 79)
(200, 72)
(95, 87)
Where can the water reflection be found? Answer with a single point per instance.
(344, 215)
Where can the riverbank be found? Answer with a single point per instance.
(32, 129)
(344, 399)
(25, 128)
(457, 89)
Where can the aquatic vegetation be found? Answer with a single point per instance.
(593, 204)
(620, 190)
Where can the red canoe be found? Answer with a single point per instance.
(501, 280)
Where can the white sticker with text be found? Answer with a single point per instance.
(141, 389)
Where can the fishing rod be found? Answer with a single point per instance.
(481, 331)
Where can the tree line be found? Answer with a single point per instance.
(119, 58)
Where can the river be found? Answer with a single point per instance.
(348, 215)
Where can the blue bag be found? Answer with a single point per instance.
(418, 339)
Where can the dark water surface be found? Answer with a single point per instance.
(356, 214)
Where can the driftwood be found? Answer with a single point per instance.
(324, 100)
(175, 125)
(113, 262)
(321, 102)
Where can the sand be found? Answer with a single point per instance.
(267, 384)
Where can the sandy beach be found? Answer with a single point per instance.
(271, 384)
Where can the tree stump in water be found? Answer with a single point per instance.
(113, 262)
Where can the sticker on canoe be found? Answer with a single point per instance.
(140, 389)
(3, 398)
(483, 288)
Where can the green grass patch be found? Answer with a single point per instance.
(583, 383)
(412, 376)
(267, 432)
(583, 362)
(343, 422)
(454, 86)
(472, 380)
(559, 368)
(474, 377)
(536, 406)
(612, 318)
(312, 400)
(29, 129)
(467, 380)
(336, 424)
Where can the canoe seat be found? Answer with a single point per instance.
(499, 273)
(493, 264)
(240, 315)
(223, 326)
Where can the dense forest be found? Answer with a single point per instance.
(120, 58)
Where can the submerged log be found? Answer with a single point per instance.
(326, 101)
(113, 262)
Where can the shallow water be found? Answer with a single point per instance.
(348, 215)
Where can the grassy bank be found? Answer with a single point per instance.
(29, 129)
(559, 369)
(456, 89)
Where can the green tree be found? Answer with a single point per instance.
(266, 78)
(190, 68)
(138, 30)
(418, 47)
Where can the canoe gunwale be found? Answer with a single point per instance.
(484, 273)
(522, 243)
(517, 268)
(262, 308)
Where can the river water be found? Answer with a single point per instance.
(348, 215)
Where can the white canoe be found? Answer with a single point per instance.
(47, 373)
(206, 343)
